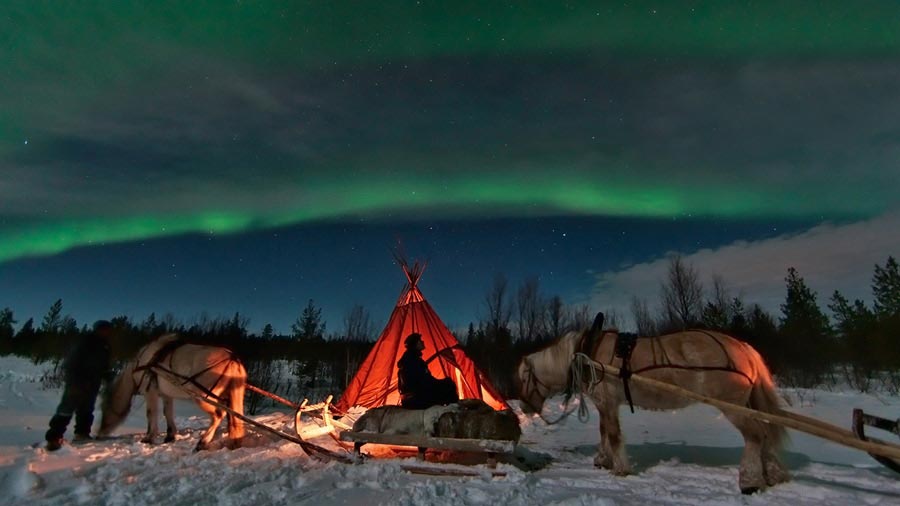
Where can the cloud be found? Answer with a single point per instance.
(210, 134)
(829, 257)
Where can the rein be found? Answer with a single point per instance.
(167, 351)
(729, 367)
(580, 367)
(585, 373)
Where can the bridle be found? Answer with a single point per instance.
(536, 383)
(532, 384)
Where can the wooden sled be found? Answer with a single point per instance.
(320, 412)
(313, 450)
(861, 419)
(492, 447)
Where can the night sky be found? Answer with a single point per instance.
(211, 157)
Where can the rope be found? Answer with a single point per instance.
(579, 383)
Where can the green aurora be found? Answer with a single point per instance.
(106, 134)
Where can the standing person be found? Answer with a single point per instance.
(418, 388)
(86, 367)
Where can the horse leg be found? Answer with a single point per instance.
(169, 412)
(773, 469)
(603, 459)
(612, 444)
(235, 424)
(152, 399)
(215, 415)
(751, 477)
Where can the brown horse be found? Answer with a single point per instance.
(708, 363)
(170, 368)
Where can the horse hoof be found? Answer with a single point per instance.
(169, 438)
(201, 446)
(749, 490)
(776, 475)
(149, 440)
(603, 463)
(235, 443)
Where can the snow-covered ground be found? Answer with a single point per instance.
(683, 457)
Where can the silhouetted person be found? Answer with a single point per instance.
(418, 388)
(85, 369)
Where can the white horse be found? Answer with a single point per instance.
(708, 363)
(165, 368)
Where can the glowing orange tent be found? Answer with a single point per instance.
(375, 384)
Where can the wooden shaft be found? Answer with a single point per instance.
(815, 421)
(794, 421)
(272, 396)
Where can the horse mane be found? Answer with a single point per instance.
(556, 350)
(117, 400)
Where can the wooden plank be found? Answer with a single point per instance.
(441, 443)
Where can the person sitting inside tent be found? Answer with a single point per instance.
(418, 388)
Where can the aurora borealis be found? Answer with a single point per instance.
(123, 124)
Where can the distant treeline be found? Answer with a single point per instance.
(858, 343)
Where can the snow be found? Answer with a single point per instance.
(687, 457)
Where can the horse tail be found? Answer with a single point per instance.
(238, 382)
(764, 397)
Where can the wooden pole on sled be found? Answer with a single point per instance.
(304, 407)
(272, 396)
(782, 417)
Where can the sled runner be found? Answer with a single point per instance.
(861, 419)
(491, 447)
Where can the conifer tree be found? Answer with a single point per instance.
(6, 330)
(855, 326)
(886, 291)
(310, 325)
(886, 288)
(805, 334)
(53, 320)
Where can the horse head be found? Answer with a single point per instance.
(117, 401)
(528, 387)
(546, 371)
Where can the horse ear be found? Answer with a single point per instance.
(597, 327)
(592, 335)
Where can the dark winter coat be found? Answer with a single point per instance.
(88, 364)
(412, 373)
(418, 388)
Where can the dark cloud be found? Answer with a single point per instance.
(777, 129)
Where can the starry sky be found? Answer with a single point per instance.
(210, 157)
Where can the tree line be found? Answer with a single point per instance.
(859, 343)
(804, 347)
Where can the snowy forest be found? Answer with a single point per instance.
(811, 343)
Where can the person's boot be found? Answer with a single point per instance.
(54, 444)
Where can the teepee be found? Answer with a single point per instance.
(375, 383)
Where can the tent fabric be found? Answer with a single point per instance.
(375, 383)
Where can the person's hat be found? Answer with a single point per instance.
(102, 325)
(412, 339)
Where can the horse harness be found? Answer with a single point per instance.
(165, 352)
(625, 345)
